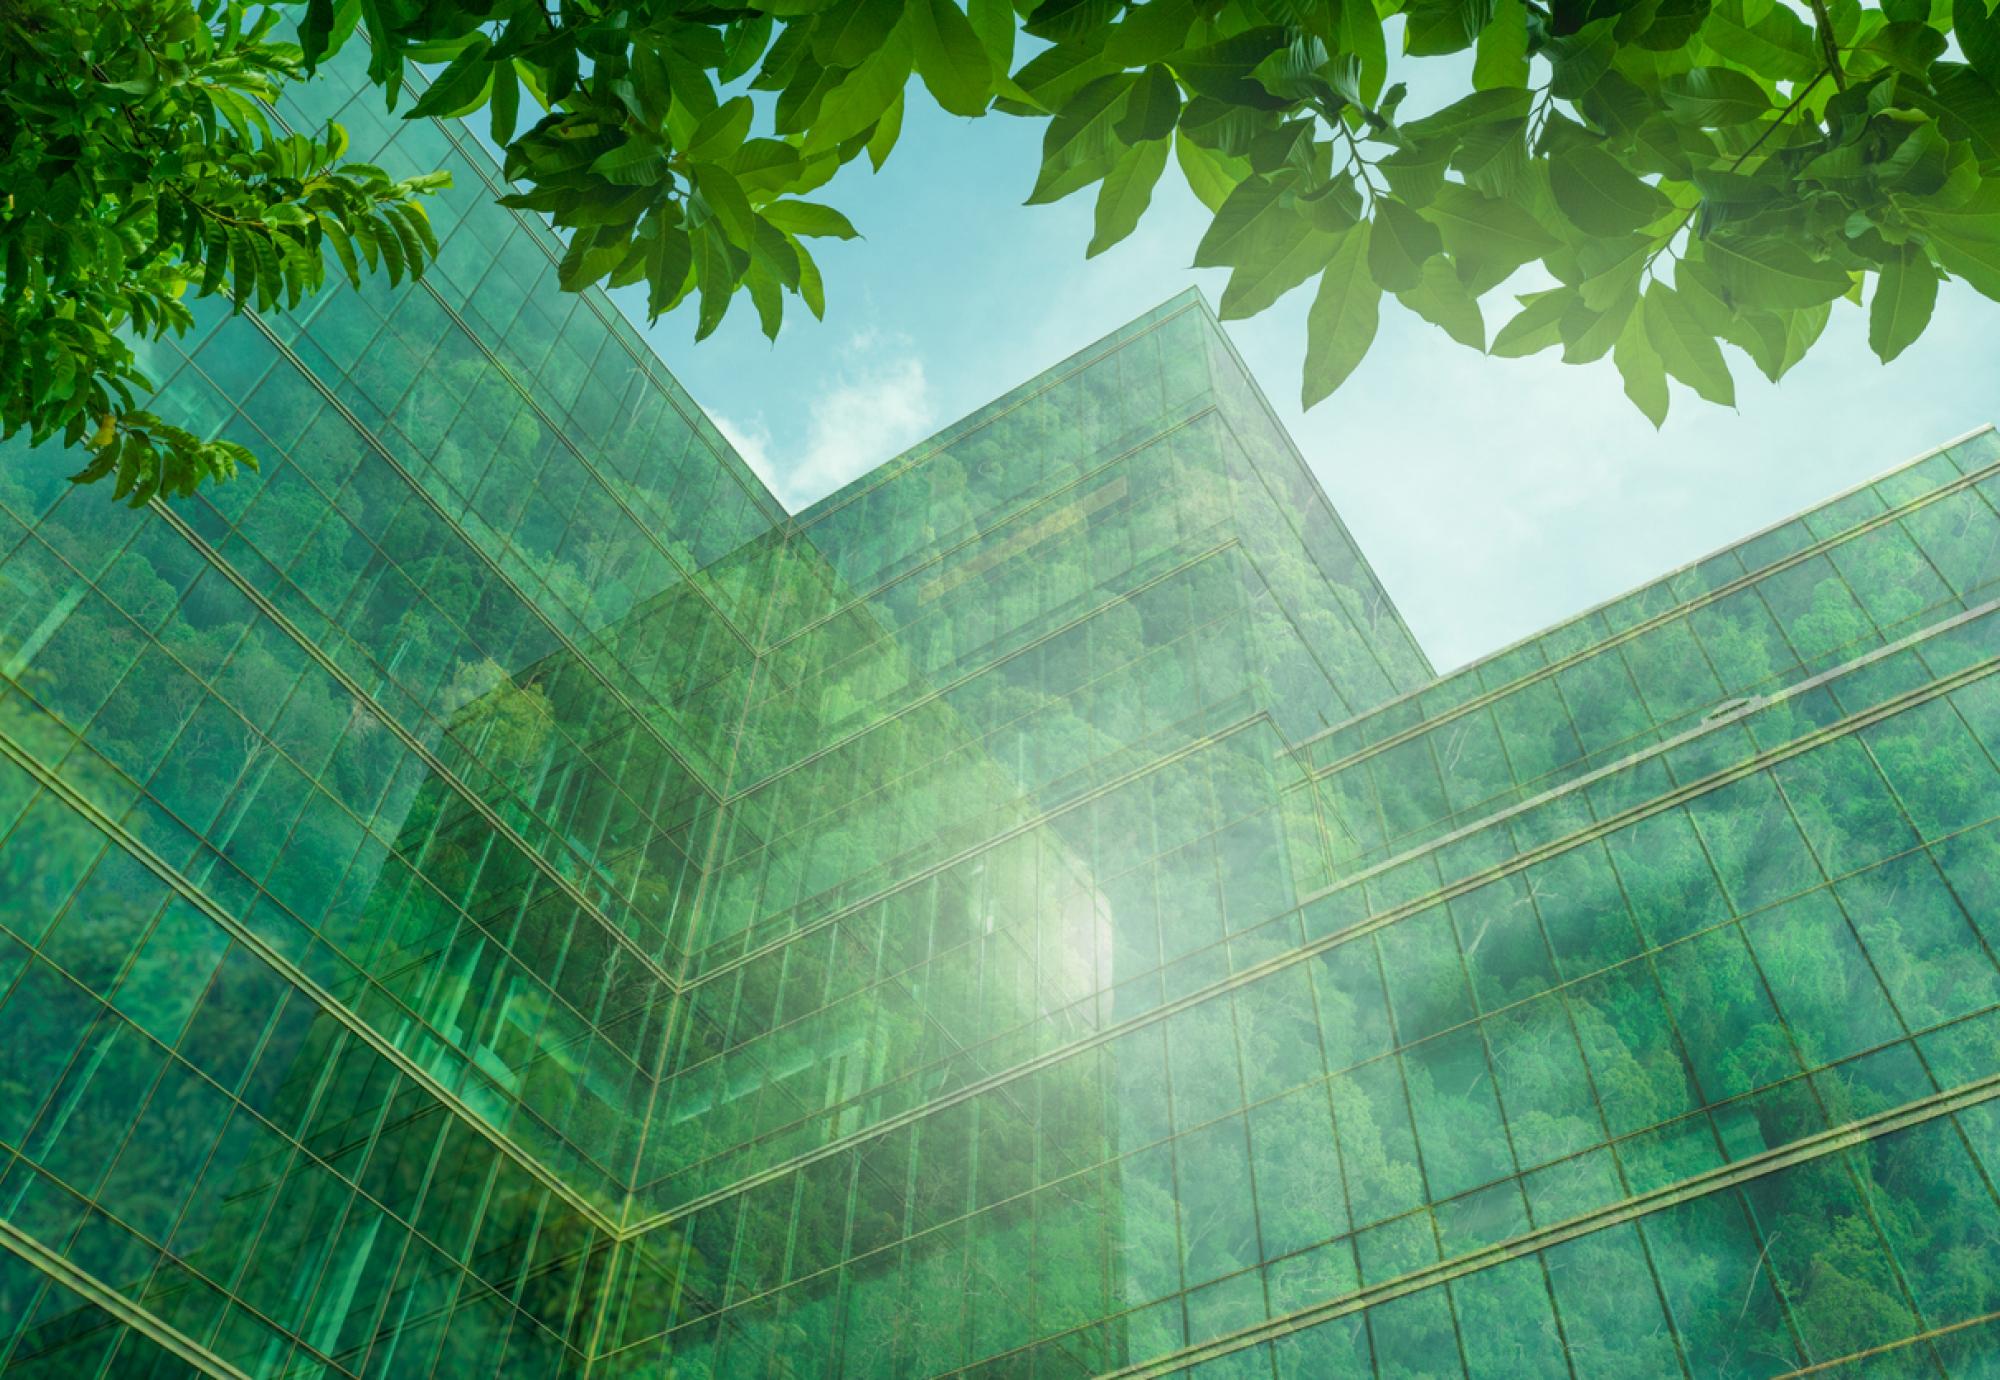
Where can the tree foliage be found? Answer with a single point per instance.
(140, 164)
(1675, 176)
(1686, 174)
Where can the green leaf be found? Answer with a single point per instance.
(592, 253)
(773, 252)
(1905, 293)
(799, 101)
(1639, 366)
(1291, 251)
(883, 139)
(1400, 244)
(1079, 145)
(1777, 45)
(1662, 26)
(1921, 164)
(1228, 130)
(1127, 191)
(1210, 176)
(412, 214)
(950, 57)
(1444, 130)
(1436, 27)
(385, 54)
(1051, 77)
(1799, 330)
(343, 248)
(1578, 59)
(1222, 70)
(722, 196)
(1341, 324)
(668, 260)
(100, 464)
(385, 242)
(1333, 207)
(1416, 174)
(133, 456)
(505, 103)
(461, 86)
(1601, 195)
(638, 162)
(1589, 332)
(1689, 353)
(243, 267)
(1247, 218)
(853, 31)
(1494, 160)
(1500, 59)
(1717, 97)
(994, 22)
(863, 96)
(767, 298)
(1149, 32)
(1062, 21)
(1771, 273)
(1537, 326)
(316, 32)
(1359, 34)
(1978, 33)
(812, 291)
(809, 218)
(1152, 109)
(1606, 268)
(1909, 47)
(1441, 299)
(720, 133)
(1486, 232)
(714, 276)
(744, 42)
(763, 166)
(1300, 70)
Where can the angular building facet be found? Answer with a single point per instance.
(492, 893)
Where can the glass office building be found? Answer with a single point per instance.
(491, 893)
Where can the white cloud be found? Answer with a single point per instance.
(877, 404)
(753, 443)
(1495, 497)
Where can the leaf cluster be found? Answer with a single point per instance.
(1688, 174)
(645, 151)
(1679, 175)
(141, 166)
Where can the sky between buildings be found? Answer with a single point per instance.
(1493, 496)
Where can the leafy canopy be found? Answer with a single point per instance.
(1685, 174)
(139, 164)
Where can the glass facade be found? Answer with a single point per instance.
(491, 893)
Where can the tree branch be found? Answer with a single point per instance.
(1798, 99)
(1823, 26)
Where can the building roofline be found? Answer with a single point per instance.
(1661, 578)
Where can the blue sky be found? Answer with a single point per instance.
(1493, 496)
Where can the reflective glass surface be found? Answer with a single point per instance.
(491, 893)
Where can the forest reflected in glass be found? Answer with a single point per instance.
(492, 893)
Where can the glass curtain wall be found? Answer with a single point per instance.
(491, 893)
